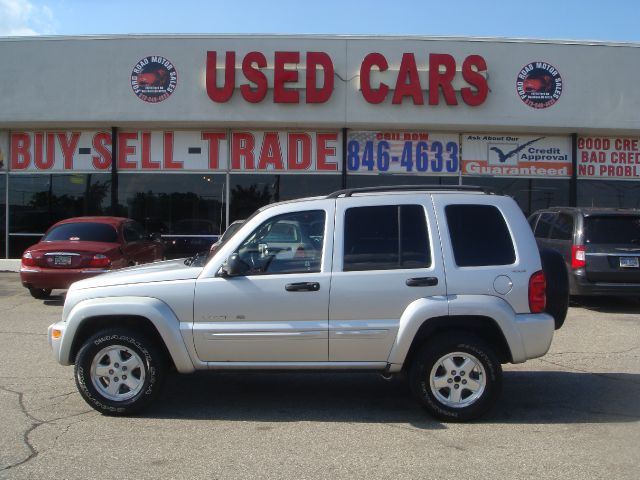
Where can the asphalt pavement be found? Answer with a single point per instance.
(573, 414)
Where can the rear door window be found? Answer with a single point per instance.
(479, 236)
(386, 237)
(612, 229)
(543, 227)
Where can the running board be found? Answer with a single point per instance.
(297, 365)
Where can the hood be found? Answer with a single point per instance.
(150, 272)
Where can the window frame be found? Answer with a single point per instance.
(347, 265)
(453, 242)
(320, 244)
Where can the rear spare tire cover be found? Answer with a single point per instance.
(555, 272)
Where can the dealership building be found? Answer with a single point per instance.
(188, 133)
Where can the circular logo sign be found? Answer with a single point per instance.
(539, 84)
(154, 79)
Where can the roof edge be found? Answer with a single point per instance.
(204, 36)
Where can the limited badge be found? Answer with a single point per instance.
(154, 79)
(539, 84)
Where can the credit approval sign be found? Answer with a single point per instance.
(516, 155)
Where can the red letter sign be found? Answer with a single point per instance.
(372, 95)
(441, 80)
(474, 78)
(282, 76)
(221, 95)
(314, 94)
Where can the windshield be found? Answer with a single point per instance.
(85, 231)
(612, 229)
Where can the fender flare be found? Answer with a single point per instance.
(414, 316)
(423, 310)
(157, 312)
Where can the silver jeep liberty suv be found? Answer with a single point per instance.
(445, 284)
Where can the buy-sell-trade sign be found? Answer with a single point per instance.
(403, 152)
(499, 155)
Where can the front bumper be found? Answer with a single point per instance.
(53, 278)
(56, 343)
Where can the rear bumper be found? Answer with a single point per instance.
(536, 331)
(36, 277)
(580, 285)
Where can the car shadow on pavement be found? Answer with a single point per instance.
(56, 300)
(528, 397)
(607, 304)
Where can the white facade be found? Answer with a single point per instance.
(101, 125)
(85, 82)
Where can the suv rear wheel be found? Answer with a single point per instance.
(456, 377)
(119, 372)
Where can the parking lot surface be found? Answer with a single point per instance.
(573, 414)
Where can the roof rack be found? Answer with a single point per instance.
(461, 188)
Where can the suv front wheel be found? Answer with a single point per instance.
(119, 372)
(456, 377)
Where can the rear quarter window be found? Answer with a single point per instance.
(479, 236)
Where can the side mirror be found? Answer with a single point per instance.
(155, 237)
(234, 267)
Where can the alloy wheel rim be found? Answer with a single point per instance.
(457, 379)
(118, 373)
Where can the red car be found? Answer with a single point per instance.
(83, 247)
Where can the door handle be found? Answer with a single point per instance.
(422, 282)
(302, 287)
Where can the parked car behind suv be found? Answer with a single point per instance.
(601, 247)
(82, 247)
(443, 284)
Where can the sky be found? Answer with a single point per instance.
(614, 20)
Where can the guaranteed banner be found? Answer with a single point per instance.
(516, 156)
(417, 153)
(175, 151)
(609, 157)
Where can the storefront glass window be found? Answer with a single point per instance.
(608, 193)
(38, 201)
(3, 222)
(188, 210)
(531, 194)
(360, 181)
(250, 192)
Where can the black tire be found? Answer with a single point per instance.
(133, 348)
(557, 291)
(40, 293)
(470, 405)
